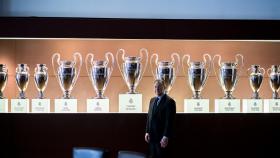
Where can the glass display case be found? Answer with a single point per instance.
(34, 41)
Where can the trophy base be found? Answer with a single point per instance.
(228, 95)
(99, 97)
(63, 97)
(196, 95)
(41, 96)
(256, 96)
(275, 95)
(132, 93)
(22, 95)
(1, 95)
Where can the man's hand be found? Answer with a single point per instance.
(164, 142)
(147, 137)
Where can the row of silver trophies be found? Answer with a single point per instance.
(132, 69)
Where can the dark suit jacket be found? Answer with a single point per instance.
(160, 121)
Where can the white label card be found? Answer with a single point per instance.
(252, 105)
(272, 105)
(196, 105)
(3, 105)
(40, 106)
(130, 103)
(20, 105)
(65, 105)
(227, 105)
(98, 105)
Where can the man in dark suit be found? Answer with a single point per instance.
(160, 122)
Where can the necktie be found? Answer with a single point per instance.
(155, 104)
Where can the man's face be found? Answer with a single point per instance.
(159, 89)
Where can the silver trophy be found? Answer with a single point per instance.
(274, 76)
(41, 79)
(3, 79)
(22, 79)
(99, 72)
(67, 72)
(197, 72)
(132, 69)
(228, 74)
(165, 70)
(256, 73)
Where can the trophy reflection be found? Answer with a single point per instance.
(3, 79)
(228, 74)
(22, 79)
(132, 68)
(274, 76)
(197, 73)
(99, 73)
(256, 77)
(165, 70)
(41, 79)
(67, 72)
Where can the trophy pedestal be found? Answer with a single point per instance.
(40, 106)
(252, 105)
(65, 105)
(227, 105)
(98, 105)
(196, 105)
(130, 103)
(272, 105)
(3, 105)
(20, 105)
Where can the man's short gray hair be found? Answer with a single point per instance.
(159, 81)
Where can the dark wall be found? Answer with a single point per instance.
(197, 135)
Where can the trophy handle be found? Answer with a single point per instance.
(208, 68)
(122, 52)
(152, 64)
(27, 68)
(87, 61)
(178, 61)
(146, 61)
(262, 70)
(80, 65)
(248, 71)
(112, 61)
(214, 67)
(237, 63)
(54, 65)
(268, 72)
(188, 63)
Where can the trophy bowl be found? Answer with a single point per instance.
(228, 74)
(165, 70)
(67, 73)
(41, 79)
(22, 79)
(99, 73)
(255, 77)
(3, 79)
(132, 69)
(274, 80)
(197, 72)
